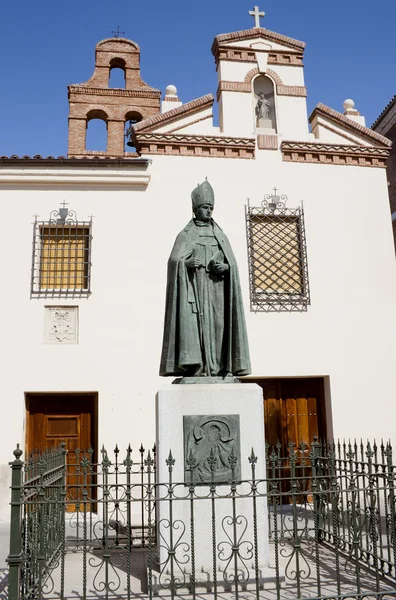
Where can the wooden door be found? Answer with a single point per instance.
(294, 410)
(53, 419)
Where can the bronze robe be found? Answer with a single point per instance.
(204, 317)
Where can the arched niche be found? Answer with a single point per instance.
(264, 104)
(130, 119)
(96, 137)
(117, 76)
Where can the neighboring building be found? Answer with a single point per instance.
(84, 289)
(386, 125)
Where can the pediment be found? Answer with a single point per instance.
(330, 126)
(253, 38)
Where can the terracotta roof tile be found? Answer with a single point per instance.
(386, 109)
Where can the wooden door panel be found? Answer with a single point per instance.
(303, 420)
(55, 419)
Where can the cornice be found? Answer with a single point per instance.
(92, 171)
(275, 57)
(63, 161)
(251, 34)
(323, 110)
(174, 114)
(195, 145)
(334, 154)
(134, 93)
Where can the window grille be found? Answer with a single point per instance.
(278, 266)
(61, 264)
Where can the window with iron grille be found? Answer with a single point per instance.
(278, 267)
(61, 264)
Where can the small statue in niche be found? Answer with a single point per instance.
(262, 108)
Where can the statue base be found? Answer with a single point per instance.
(206, 380)
(185, 409)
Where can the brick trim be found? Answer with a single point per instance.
(171, 99)
(323, 110)
(138, 93)
(292, 90)
(175, 114)
(267, 142)
(332, 154)
(249, 34)
(253, 72)
(275, 57)
(233, 86)
(195, 145)
(281, 89)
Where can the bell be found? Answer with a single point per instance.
(130, 142)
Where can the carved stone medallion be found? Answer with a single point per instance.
(61, 325)
(211, 447)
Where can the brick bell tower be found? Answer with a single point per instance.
(116, 106)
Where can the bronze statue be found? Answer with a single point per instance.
(204, 331)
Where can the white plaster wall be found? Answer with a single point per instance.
(206, 114)
(237, 114)
(327, 135)
(233, 70)
(289, 75)
(292, 118)
(347, 333)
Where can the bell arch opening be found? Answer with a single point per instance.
(130, 119)
(264, 104)
(96, 137)
(117, 73)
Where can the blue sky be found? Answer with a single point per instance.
(46, 45)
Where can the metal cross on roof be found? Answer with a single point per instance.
(118, 32)
(256, 13)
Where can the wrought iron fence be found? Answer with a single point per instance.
(321, 524)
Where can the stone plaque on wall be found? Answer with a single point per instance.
(61, 325)
(213, 437)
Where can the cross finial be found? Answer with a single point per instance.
(64, 204)
(118, 32)
(256, 13)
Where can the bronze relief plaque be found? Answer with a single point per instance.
(211, 447)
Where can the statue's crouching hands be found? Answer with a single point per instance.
(192, 263)
(219, 268)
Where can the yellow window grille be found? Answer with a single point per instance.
(64, 259)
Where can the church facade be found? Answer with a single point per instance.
(304, 203)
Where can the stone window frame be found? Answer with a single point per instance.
(270, 261)
(61, 257)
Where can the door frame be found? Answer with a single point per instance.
(29, 399)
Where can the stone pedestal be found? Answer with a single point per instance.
(265, 126)
(216, 535)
